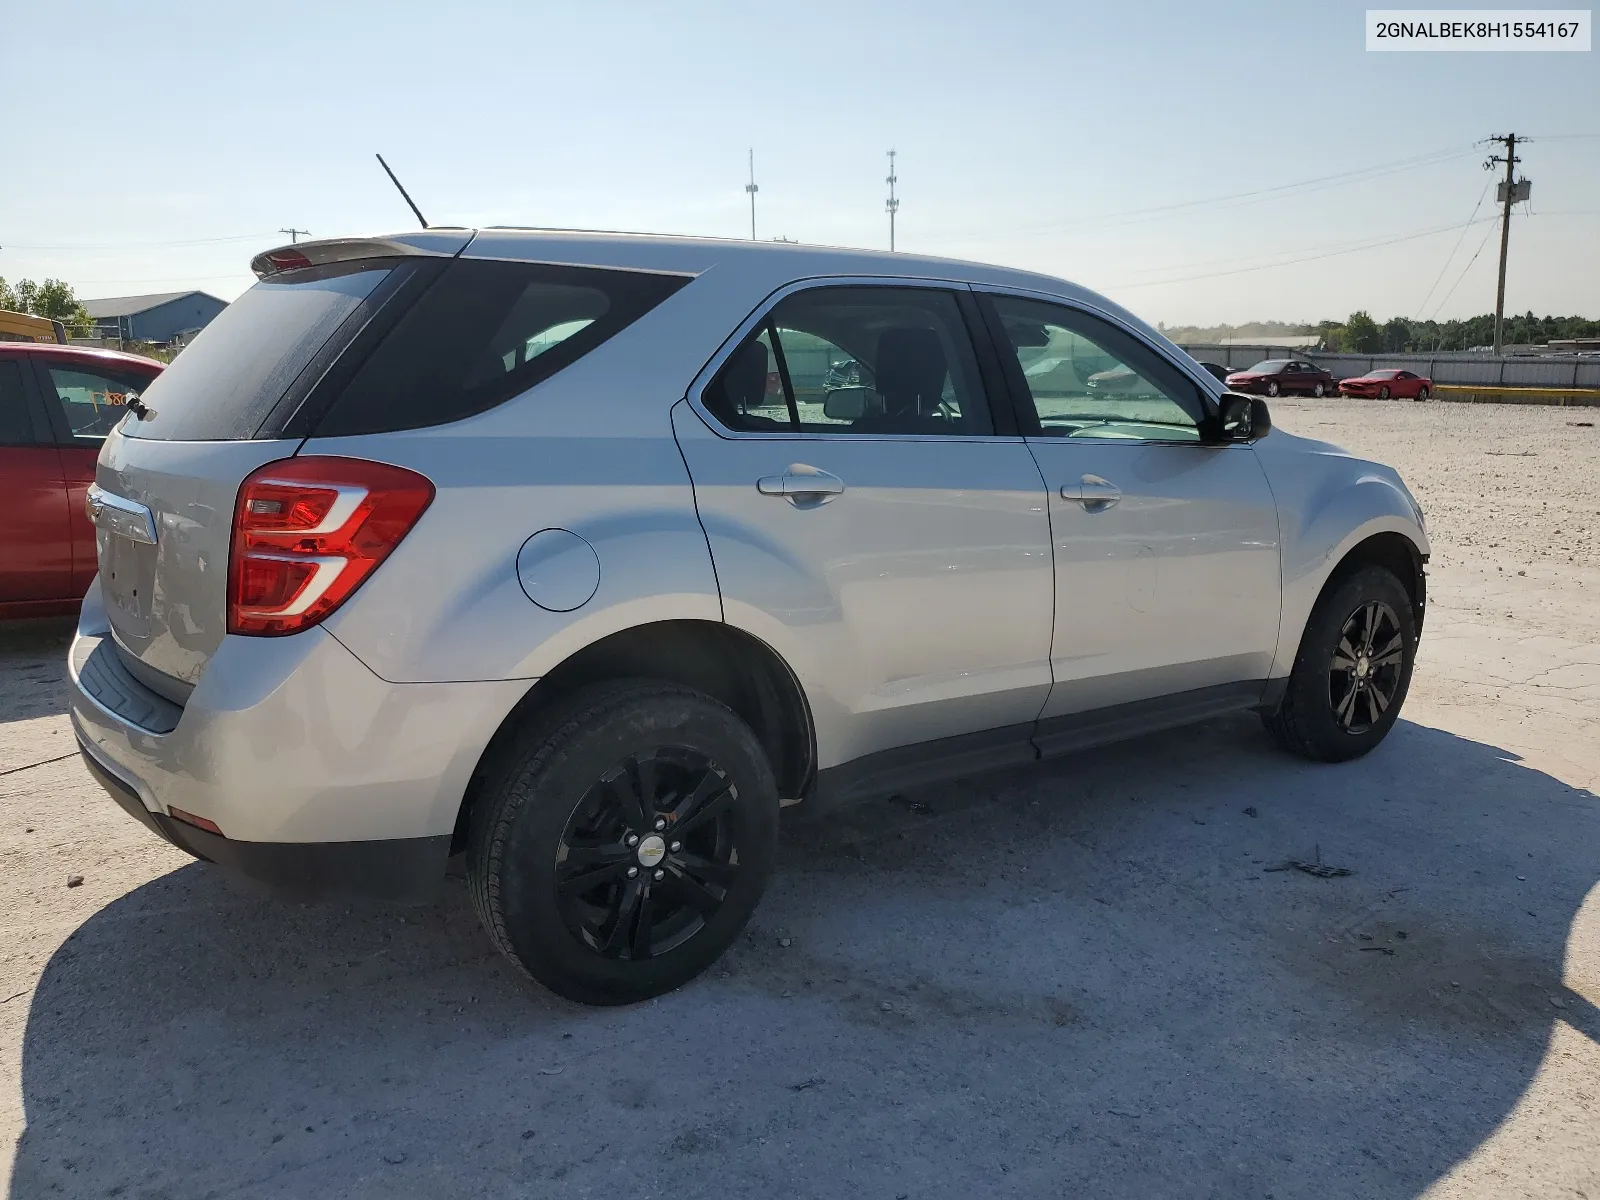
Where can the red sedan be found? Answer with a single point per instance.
(57, 403)
(1383, 384)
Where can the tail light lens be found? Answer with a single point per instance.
(306, 534)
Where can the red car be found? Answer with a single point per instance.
(1383, 384)
(57, 403)
(1281, 377)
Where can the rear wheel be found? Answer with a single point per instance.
(620, 847)
(1352, 672)
(1319, 391)
(1422, 393)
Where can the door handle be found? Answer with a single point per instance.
(802, 485)
(1094, 493)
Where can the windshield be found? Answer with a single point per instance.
(225, 383)
(1270, 367)
(1384, 375)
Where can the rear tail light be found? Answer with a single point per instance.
(282, 260)
(306, 534)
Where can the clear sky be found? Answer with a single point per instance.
(156, 146)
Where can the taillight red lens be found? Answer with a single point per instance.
(287, 260)
(308, 531)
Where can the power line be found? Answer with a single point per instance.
(1445, 299)
(211, 241)
(1234, 199)
(1351, 249)
(1449, 258)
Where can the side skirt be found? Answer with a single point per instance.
(903, 767)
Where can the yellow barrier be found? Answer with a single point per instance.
(1581, 397)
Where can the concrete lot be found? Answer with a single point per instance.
(1068, 981)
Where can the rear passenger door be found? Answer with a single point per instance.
(35, 543)
(870, 520)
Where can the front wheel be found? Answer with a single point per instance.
(1383, 393)
(1352, 672)
(1273, 389)
(619, 845)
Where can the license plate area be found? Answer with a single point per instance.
(127, 580)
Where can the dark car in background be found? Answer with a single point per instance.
(1216, 370)
(57, 403)
(1283, 376)
(1405, 385)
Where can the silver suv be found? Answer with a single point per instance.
(584, 554)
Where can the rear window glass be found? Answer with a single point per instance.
(483, 332)
(225, 383)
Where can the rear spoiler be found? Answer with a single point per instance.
(430, 243)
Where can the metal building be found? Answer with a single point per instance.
(156, 318)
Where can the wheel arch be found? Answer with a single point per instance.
(726, 663)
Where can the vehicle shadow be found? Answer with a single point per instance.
(1078, 979)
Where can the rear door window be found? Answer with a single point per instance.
(91, 402)
(483, 332)
(855, 360)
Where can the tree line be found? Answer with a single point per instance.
(1361, 334)
(52, 298)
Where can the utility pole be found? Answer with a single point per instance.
(752, 189)
(894, 205)
(294, 234)
(1511, 191)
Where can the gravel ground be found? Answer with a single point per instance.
(1079, 979)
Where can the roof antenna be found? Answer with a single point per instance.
(421, 220)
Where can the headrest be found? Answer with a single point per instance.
(745, 376)
(911, 369)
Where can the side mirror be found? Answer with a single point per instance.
(849, 403)
(1242, 418)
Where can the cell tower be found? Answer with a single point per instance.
(893, 206)
(752, 189)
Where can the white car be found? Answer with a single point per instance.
(549, 548)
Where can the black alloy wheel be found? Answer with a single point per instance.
(620, 839)
(648, 854)
(1364, 677)
(1352, 670)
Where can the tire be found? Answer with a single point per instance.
(569, 785)
(1422, 393)
(1318, 717)
(1383, 393)
(1319, 391)
(1273, 389)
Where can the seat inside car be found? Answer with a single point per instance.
(911, 369)
(743, 386)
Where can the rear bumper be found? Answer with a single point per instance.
(321, 776)
(400, 870)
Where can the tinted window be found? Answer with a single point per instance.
(15, 428)
(1089, 379)
(226, 382)
(484, 332)
(92, 402)
(864, 360)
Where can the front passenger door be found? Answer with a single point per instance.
(1166, 548)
